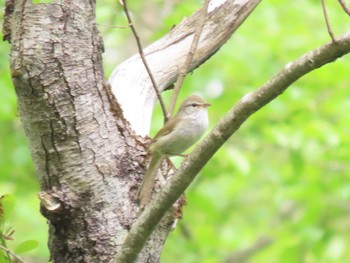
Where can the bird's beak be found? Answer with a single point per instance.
(206, 105)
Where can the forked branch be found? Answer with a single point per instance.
(144, 61)
(166, 55)
(227, 126)
(187, 65)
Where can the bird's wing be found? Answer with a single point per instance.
(169, 128)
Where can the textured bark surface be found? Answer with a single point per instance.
(88, 161)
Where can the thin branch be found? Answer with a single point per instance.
(186, 66)
(142, 55)
(164, 55)
(11, 253)
(330, 32)
(345, 8)
(223, 130)
(244, 255)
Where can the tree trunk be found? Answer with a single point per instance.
(87, 157)
(88, 160)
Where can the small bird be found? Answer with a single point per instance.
(178, 134)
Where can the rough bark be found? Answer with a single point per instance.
(88, 160)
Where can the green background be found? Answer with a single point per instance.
(283, 177)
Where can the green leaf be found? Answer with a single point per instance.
(4, 257)
(26, 246)
(7, 203)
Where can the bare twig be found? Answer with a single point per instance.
(175, 45)
(11, 253)
(184, 69)
(330, 32)
(142, 55)
(245, 254)
(222, 131)
(345, 8)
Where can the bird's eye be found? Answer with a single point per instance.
(194, 105)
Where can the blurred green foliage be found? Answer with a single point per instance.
(284, 175)
(7, 204)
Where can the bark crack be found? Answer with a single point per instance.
(97, 166)
(21, 32)
(6, 29)
(47, 183)
(75, 121)
(52, 137)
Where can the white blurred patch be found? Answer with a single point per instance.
(336, 248)
(214, 88)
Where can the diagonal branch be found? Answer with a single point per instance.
(144, 61)
(227, 126)
(185, 68)
(329, 28)
(245, 254)
(130, 81)
(18, 259)
(345, 8)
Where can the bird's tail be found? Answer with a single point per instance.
(145, 191)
